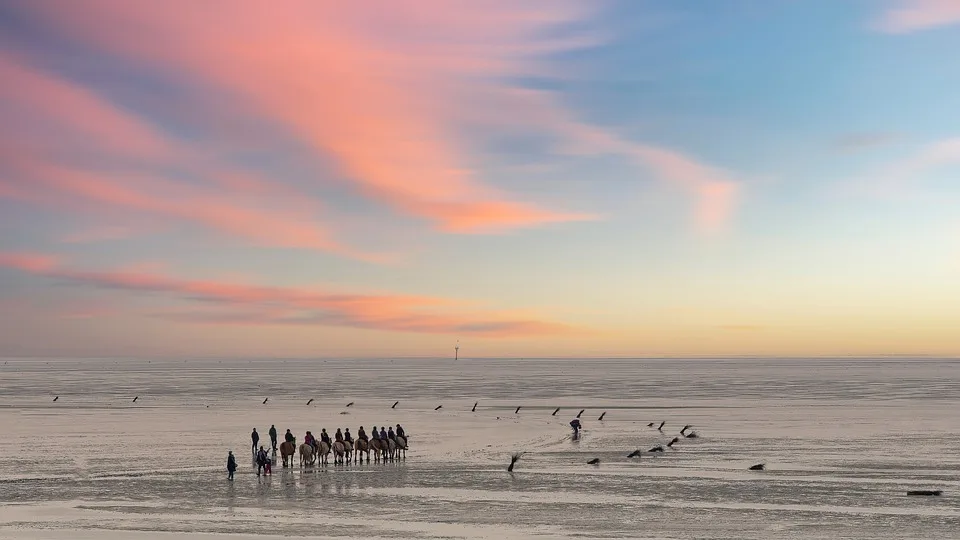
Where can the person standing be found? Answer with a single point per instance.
(273, 436)
(231, 465)
(263, 462)
(255, 437)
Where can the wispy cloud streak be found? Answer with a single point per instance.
(228, 302)
(915, 15)
(386, 101)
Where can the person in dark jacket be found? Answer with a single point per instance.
(273, 437)
(383, 434)
(401, 433)
(338, 435)
(391, 435)
(263, 461)
(374, 435)
(325, 437)
(362, 435)
(231, 465)
(575, 424)
(255, 437)
(289, 437)
(347, 436)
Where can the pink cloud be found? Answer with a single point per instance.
(362, 84)
(29, 262)
(222, 302)
(914, 15)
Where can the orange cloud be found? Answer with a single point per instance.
(914, 15)
(240, 303)
(373, 96)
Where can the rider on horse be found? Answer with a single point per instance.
(347, 436)
(400, 432)
(361, 434)
(338, 435)
(324, 437)
(309, 439)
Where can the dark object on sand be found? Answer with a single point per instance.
(635, 453)
(601, 416)
(926, 492)
(56, 398)
(685, 428)
(692, 435)
(438, 407)
(758, 467)
(555, 411)
(135, 399)
(594, 461)
(656, 448)
(310, 401)
(265, 400)
(474, 409)
(673, 442)
(661, 425)
(513, 461)
(394, 406)
(350, 404)
(581, 412)
(650, 424)
(517, 411)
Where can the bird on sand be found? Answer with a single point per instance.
(513, 460)
(758, 467)
(350, 404)
(594, 461)
(635, 453)
(394, 406)
(673, 442)
(517, 411)
(265, 400)
(581, 412)
(438, 407)
(474, 409)
(601, 416)
(555, 411)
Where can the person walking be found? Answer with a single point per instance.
(263, 461)
(231, 465)
(255, 437)
(273, 437)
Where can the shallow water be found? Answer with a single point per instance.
(843, 441)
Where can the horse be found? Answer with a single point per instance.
(379, 450)
(339, 449)
(391, 448)
(323, 450)
(362, 447)
(307, 456)
(401, 447)
(287, 450)
(348, 448)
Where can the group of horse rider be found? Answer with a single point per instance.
(341, 436)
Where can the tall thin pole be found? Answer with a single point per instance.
(456, 351)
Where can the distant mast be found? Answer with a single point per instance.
(456, 351)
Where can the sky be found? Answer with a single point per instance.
(528, 178)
